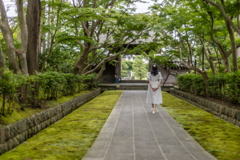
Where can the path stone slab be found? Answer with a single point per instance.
(132, 132)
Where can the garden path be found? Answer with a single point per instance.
(132, 132)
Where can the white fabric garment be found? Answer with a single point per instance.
(154, 97)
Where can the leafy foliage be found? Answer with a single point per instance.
(50, 85)
(139, 67)
(222, 86)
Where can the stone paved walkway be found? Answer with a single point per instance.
(132, 132)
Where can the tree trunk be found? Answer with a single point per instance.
(2, 61)
(3, 104)
(80, 64)
(202, 59)
(209, 59)
(205, 79)
(203, 73)
(189, 70)
(166, 80)
(22, 53)
(11, 52)
(33, 23)
(8, 38)
(233, 45)
(99, 74)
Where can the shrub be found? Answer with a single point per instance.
(32, 90)
(222, 86)
(8, 87)
(185, 82)
(198, 85)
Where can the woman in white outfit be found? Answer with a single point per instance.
(154, 94)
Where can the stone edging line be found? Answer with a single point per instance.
(228, 114)
(16, 133)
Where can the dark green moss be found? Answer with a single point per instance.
(71, 137)
(18, 114)
(218, 137)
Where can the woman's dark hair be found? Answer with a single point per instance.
(154, 71)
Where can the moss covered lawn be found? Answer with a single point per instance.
(218, 137)
(71, 137)
(18, 114)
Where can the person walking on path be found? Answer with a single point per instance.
(154, 94)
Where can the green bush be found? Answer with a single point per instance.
(8, 87)
(88, 80)
(224, 86)
(198, 85)
(51, 84)
(32, 90)
(185, 82)
(216, 86)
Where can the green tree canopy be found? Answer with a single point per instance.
(139, 67)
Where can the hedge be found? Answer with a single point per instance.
(34, 89)
(224, 86)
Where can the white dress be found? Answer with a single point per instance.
(154, 97)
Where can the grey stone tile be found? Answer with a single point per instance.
(145, 137)
(100, 144)
(119, 156)
(121, 148)
(179, 156)
(143, 154)
(168, 141)
(92, 153)
(139, 130)
(104, 136)
(130, 139)
(146, 145)
(164, 135)
(91, 158)
(174, 149)
(123, 133)
(127, 127)
(109, 124)
(106, 130)
(121, 142)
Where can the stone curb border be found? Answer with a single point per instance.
(16, 133)
(228, 114)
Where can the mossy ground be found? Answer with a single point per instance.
(218, 137)
(18, 114)
(71, 137)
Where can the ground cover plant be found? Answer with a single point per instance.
(71, 137)
(218, 137)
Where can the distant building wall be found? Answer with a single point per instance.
(171, 79)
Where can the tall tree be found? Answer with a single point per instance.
(53, 30)
(104, 34)
(139, 67)
(2, 61)
(231, 27)
(22, 53)
(33, 24)
(8, 37)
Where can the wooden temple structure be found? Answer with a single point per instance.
(114, 71)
